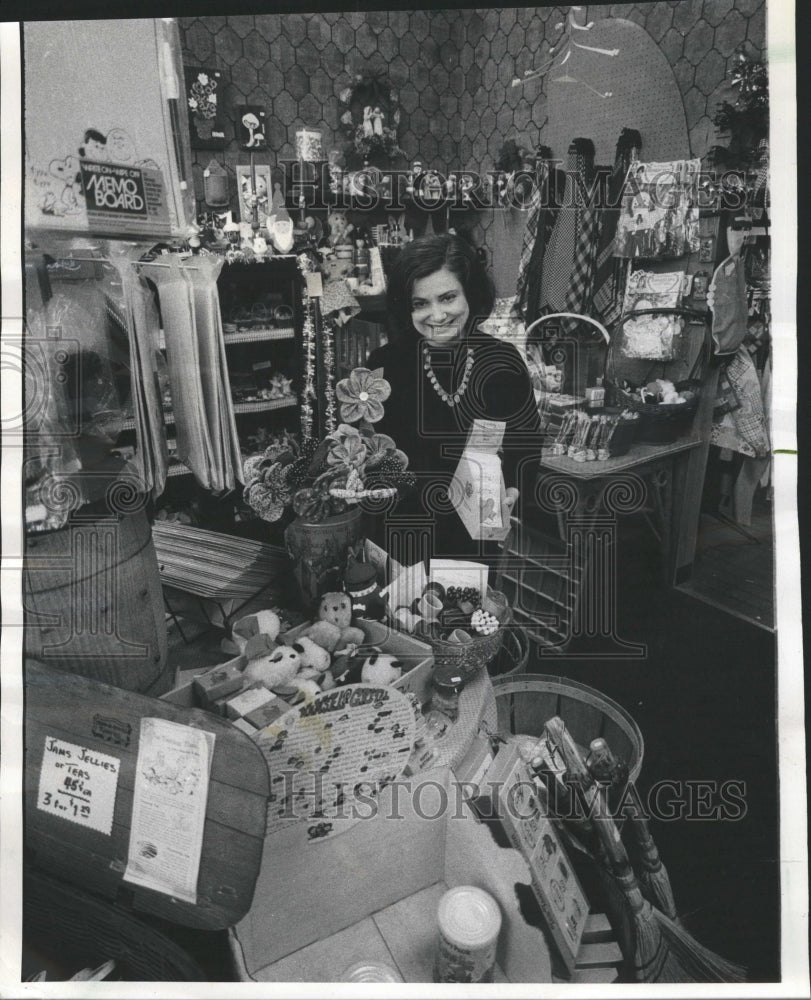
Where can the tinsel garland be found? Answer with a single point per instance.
(328, 358)
(308, 332)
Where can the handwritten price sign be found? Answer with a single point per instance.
(78, 784)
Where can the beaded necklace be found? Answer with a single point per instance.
(446, 397)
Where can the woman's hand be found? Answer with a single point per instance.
(499, 534)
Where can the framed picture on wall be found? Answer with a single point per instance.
(251, 127)
(206, 129)
(248, 199)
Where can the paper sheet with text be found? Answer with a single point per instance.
(169, 807)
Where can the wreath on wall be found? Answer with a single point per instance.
(370, 121)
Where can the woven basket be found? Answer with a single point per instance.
(526, 701)
(66, 929)
(469, 658)
(686, 369)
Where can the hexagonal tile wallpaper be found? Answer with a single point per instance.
(452, 70)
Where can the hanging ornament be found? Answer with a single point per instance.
(308, 335)
(328, 356)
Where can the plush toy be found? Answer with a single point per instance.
(336, 607)
(335, 268)
(339, 227)
(258, 645)
(361, 584)
(311, 654)
(381, 668)
(326, 634)
(346, 668)
(352, 636)
(262, 623)
(275, 669)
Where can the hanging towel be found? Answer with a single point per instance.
(611, 272)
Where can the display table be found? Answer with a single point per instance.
(588, 492)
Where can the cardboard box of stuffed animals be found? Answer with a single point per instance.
(415, 657)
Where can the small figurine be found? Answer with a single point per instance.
(368, 125)
(377, 118)
(339, 227)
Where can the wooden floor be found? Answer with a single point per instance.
(733, 570)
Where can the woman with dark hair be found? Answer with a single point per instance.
(444, 374)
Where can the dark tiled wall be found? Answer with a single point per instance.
(451, 69)
(698, 37)
(295, 65)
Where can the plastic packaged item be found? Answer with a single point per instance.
(469, 924)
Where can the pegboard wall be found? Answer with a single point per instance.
(451, 69)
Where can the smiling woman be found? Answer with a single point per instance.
(444, 374)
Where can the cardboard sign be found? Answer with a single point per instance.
(331, 757)
(78, 784)
(122, 198)
(522, 810)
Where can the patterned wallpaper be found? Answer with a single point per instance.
(451, 70)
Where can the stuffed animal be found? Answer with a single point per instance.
(311, 654)
(262, 623)
(336, 607)
(339, 227)
(275, 669)
(335, 268)
(326, 634)
(381, 668)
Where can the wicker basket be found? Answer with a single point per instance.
(65, 929)
(469, 658)
(525, 701)
(686, 369)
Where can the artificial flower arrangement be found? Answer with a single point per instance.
(318, 479)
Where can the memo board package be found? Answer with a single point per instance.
(85, 773)
(106, 129)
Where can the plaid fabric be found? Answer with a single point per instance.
(579, 294)
(534, 240)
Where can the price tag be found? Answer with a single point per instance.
(78, 784)
(314, 287)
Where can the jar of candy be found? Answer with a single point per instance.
(447, 683)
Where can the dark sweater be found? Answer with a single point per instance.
(433, 434)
